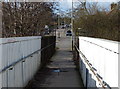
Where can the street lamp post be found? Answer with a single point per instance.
(72, 24)
(58, 20)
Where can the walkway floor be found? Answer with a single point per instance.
(61, 71)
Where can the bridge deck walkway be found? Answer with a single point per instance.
(61, 71)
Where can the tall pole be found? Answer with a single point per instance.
(72, 24)
(64, 18)
(58, 20)
(58, 15)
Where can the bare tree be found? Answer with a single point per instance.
(26, 18)
(96, 21)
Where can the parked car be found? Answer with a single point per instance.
(68, 33)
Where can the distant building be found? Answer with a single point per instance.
(114, 6)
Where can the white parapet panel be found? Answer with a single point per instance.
(103, 55)
(0, 63)
(13, 50)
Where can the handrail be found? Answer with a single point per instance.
(15, 41)
(24, 58)
(101, 46)
(94, 71)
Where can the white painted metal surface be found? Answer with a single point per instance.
(12, 50)
(103, 55)
(0, 64)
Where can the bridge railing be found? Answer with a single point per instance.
(98, 62)
(20, 58)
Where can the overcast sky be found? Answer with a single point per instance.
(66, 4)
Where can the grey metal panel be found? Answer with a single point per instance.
(14, 72)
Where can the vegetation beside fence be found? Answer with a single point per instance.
(94, 21)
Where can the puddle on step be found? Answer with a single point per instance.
(58, 70)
